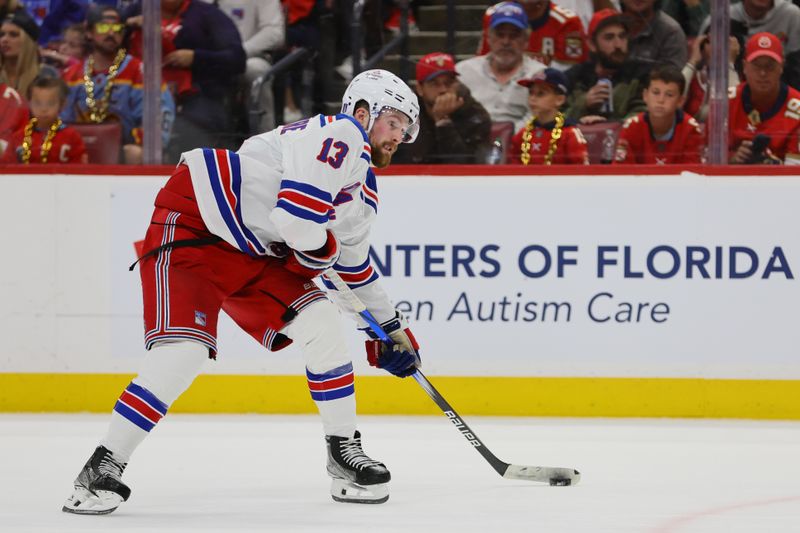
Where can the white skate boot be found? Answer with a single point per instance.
(356, 477)
(98, 487)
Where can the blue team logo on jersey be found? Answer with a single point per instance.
(199, 318)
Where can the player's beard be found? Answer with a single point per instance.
(380, 158)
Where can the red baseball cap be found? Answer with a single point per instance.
(764, 44)
(604, 17)
(435, 64)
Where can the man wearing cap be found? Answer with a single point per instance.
(778, 17)
(108, 86)
(493, 78)
(557, 38)
(764, 112)
(454, 127)
(655, 37)
(548, 138)
(608, 87)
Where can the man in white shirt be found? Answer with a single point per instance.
(262, 28)
(492, 79)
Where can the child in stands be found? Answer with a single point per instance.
(548, 137)
(664, 134)
(45, 139)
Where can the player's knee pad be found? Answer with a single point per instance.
(170, 367)
(317, 330)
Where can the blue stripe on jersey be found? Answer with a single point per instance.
(322, 121)
(222, 201)
(366, 157)
(308, 189)
(369, 202)
(236, 177)
(133, 416)
(148, 397)
(371, 182)
(322, 396)
(353, 269)
(301, 213)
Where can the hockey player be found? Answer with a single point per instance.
(663, 134)
(246, 232)
(763, 107)
(557, 38)
(45, 138)
(548, 138)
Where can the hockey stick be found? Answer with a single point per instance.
(545, 474)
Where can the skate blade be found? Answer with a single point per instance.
(347, 492)
(82, 501)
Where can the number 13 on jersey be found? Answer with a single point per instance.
(340, 151)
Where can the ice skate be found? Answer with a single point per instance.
(98, 487)
(356, 477)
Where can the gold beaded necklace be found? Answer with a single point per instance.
(98, 113)
(555, 135)
(27, 141)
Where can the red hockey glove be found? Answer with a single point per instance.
(400, 359)
(312, 263)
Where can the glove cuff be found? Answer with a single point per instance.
(391, 325)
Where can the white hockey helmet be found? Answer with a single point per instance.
(382, 89)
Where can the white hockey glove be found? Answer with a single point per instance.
(402, 358)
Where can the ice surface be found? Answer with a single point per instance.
(266, 473)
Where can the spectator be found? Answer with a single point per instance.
(585, 9)
(45, 138)
(663, 134)
(13, 114)
(778, 17)
(72, 49)
(454, 127)
(10, 7)
(261, 27)
(609, 85)
(689, 14)
(108, 86)
(302, 31)
(492, 78)
(53, 16)
(654, 37)
(695, 72)
(202, 60)
(557, 38)
(548, 137)
(19, 55)
(763, 112)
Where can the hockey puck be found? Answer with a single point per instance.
(560, 482)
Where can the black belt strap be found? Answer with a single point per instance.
(178, 244)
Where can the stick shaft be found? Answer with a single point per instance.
(359, 307)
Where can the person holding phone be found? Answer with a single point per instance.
(764, 112)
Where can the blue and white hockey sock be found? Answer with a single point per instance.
(334, 394)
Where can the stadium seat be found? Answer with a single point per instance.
(103, 141)
(503, 131)
(595, 134)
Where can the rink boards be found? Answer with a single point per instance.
(646, 294)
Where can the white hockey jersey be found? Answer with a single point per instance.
(290, 185)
